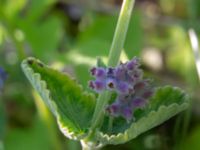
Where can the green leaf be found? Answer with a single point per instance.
(191, 141)
(165, 103)
(72, 106)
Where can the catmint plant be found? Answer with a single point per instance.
(121, 104)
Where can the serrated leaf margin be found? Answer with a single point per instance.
(149, 121)
(41, 86)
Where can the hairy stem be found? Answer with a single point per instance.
(115, 52)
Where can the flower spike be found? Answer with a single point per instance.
(126, 80)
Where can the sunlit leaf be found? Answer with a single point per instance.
(166, 102)
(72, 106)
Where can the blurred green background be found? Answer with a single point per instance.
(69, 35)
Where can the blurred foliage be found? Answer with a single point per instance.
(192, 140)
(70, 35)
(33, 138)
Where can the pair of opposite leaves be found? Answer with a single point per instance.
(73, 107)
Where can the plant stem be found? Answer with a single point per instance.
(120, 32)
(101, 103)
(114, 55)
(195, 47)
(110, 124)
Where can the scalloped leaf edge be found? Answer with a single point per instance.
(136, 126)
(41, 85)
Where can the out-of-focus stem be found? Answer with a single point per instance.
(195, 48)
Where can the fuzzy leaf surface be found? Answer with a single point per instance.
(72, 107)
(166, 102)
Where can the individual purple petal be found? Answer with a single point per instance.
(138, 102)
(99, 85)
(120, 73)
(93, 71)
(140, 85)
(110, 72)
(128, 78)
(100, 73)
(91, 84)
(113, 109)
(132, 64)
(123, 87)
(147, 94)
(127, 113)
(110, 83)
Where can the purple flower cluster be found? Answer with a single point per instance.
(126, 80)
(3, 76)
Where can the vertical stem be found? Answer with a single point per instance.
(110, 124)
(195, 48)
(115, 52)
(99, 110)
(120, 32)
